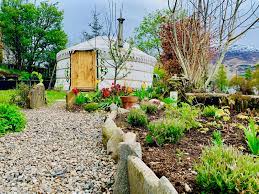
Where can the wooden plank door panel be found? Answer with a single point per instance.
(83, 70)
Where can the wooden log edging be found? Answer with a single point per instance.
(133, 176)
(218, 95)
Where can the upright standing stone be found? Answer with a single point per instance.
(70, 99)
(37, 96)
(121, 185)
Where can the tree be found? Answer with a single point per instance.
(119, 52)
(33, 33)
(224, 21)
(95, 27)
(221, 78)
(147, 36)
(248, 73)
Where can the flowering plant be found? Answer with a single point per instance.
(116, 90)
(75, 91)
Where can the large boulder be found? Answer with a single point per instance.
(37, 96)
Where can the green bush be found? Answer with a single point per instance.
(80, 99)
(149, 108)
(186, 113)
(251, 137)
(11, 119)
(209, 111)
(137, 118)
(20, 98)
(90, 107)
(225, 170)
(169, 130)
(170, 101)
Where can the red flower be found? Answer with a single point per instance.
(75, 91)
(106, 92)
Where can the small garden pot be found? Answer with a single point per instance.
(129, 101)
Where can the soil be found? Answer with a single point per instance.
(176, 161)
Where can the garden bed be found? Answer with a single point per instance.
(176, 161)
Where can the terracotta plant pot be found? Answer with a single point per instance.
(128, 101)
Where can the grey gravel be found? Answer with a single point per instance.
(59, 152)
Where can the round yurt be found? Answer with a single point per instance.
(88, 64)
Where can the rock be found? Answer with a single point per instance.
(113, 143)
(165, 187)
(187, 188)
(121, 178)
(129, 138)
(160, 105)
(70, 100)
(141, 178)
(136, 106)
(122, 111)
(107, 130)
(37, 96)
(112, 115)
(113, 107)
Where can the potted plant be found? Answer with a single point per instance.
(121, 92)
(127, 99)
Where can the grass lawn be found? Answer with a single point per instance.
(52, 96)
(5, 95)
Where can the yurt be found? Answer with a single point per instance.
(88, 64)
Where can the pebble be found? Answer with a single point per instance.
(58, 152)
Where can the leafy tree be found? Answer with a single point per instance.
(95, 27)
(147, 36)
(33, 33)
(221, 78)
(248, 73)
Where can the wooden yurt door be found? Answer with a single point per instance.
(83, 70)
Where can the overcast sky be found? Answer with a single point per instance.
(78, 16)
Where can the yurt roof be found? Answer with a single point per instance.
(101, 43)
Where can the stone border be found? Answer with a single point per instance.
(133, 176)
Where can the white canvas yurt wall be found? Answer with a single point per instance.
(140, 66)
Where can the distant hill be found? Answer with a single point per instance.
(240, 57)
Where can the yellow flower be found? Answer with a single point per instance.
(98, 81)
(143, 85)
(129, 90)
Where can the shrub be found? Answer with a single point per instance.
(217, 138)
(11, 119)
(209, 111)
(90, 107)
(149, 108)
(169, 101)
(225, 170)
(20, 98)
(141, 93)
(137, 118)
(80, 99)
(169, 130)
(186, 113)
(251, 137)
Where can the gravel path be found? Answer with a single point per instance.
(59, 152)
